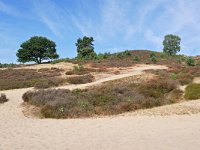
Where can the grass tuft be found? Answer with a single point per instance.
(192, 91)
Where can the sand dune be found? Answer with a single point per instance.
(123, 132)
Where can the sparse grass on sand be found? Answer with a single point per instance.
(192, 91)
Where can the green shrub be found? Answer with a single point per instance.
(152, 55)
(192, 91)
(173, 76)
(190, 61)
(7, 65)
(136, 58)
(163, 55)
(104, 55)
(153, 59)
(3, 98)
(60, 60)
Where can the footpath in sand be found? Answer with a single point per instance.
(122, 132)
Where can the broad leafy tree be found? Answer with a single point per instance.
(37, 49)
(171, 44)
(85, 47)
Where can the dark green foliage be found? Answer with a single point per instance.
(136, 58)
(85, 48)
(7, 65)
(171, 44)
(3, 98)
(152, 55)
(37, 49)
(122, 54)
(61, 60)
(190, 61)
(153, 59)
(192, 91)
(103, 55)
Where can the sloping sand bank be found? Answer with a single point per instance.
(121, 132)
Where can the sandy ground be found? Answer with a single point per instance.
(123, 132)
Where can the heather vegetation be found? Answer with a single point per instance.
(110, 98)
(82, 79)
(182, 74)
(22, 78)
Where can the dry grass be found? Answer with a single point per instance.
(192, 91)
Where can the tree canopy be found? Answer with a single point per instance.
(85, 47)
(37, 49)
(171, 44)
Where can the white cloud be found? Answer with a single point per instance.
(52, 16)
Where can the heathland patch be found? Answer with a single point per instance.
(22, 78)
(110, 98)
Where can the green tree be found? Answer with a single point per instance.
(37, 49)
(171, 44)
(85, 47)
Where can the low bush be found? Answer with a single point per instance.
(60, 60)
(80, 70)
(190, 61)
(3, 98)
(107, 99)
(153, 59)
(192, 91)
(47, 83)
(136, 58)
(7, 65)
(82, 79)
(184, 75)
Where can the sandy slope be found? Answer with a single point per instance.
(119, 132)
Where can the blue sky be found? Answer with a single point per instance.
(116, 25)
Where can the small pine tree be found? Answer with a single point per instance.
(190, 61)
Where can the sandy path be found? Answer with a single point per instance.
(132, 72)
(119, 132)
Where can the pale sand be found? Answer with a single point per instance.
(121, 132)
